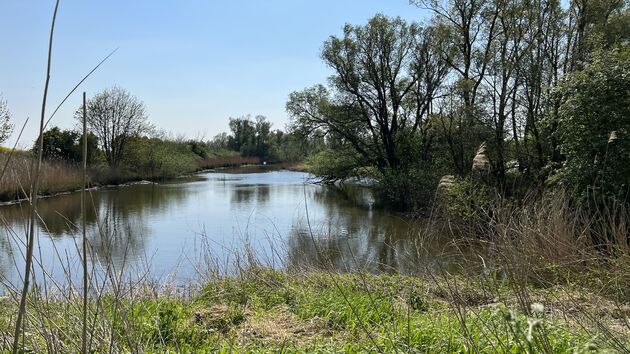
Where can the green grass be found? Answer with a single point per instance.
(263, 310)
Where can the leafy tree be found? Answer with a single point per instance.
(593, 127)
(262, 139)
(219, 142)
(597, 25)
(114, 116)
(250, 137)
(243, 133)
(68, 145)
(381, 94)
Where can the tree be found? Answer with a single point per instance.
(68, 145)
(5, 121)
(593, 127)
(464, 31)
(114, 116)
(250, 137)
(385, 81)
(263, 142)
(219, 142)
(243, 132)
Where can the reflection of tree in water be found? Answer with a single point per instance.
(371, 247)
(349, 237)
(6, 257)
(247, 193)
(116, 218)
(118, 236)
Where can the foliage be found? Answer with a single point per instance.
(68, 145)
(592, 127)
(250, 137)
(155, 158)
(199, 148)
(114, 116)
(384, 79)
(5, 121)
(263, 310)
(334, 165)
(469, 200)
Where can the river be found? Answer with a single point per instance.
(212, 222)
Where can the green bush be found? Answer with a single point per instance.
(406, 190)
(593, 127)
(154, 158)
(468, 200)
(68, 145)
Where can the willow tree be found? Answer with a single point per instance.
(380, 95)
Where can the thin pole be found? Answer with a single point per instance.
(83, 222)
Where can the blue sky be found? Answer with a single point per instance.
(193, 63)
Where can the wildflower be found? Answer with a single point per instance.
(537, 307)
(532, 325)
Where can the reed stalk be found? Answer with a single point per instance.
(84, 231)
(34, 191)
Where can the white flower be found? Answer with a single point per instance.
(530, 330)
(537, 307)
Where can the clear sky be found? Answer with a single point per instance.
(194, 63)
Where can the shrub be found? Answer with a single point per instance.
(592, 128)
(468, 200)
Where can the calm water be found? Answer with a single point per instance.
(174, 231)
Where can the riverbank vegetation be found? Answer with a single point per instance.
(504, 124)
(516, 98)
(268, 311)
(120, 151)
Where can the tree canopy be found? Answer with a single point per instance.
(114, 115)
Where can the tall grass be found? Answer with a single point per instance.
(55, 176)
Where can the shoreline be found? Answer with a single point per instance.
(295, 167)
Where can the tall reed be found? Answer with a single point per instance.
(30, 244)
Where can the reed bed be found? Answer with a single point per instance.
(56, 177)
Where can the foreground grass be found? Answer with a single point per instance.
(269, 311)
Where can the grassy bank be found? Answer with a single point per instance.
(59, 176)
(269, 311)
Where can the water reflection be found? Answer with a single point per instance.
(117, 224)
(170, 226)
(357, 237)
(246, 194)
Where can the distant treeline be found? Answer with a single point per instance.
(122, 145)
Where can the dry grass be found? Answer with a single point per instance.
(55, 177)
